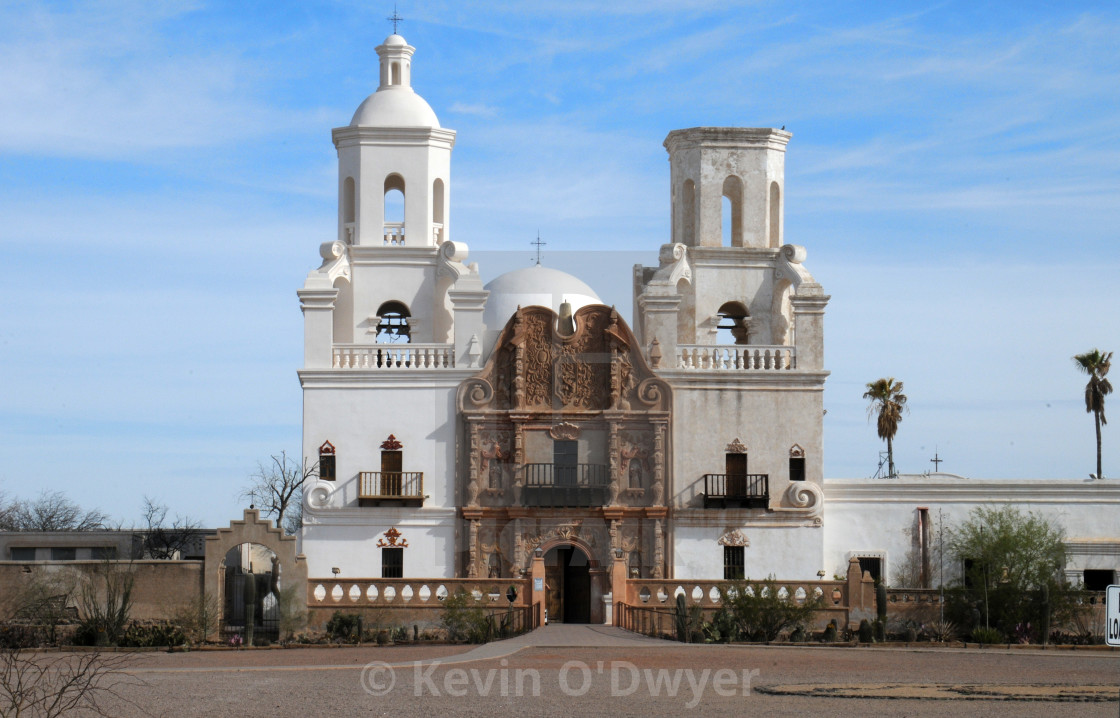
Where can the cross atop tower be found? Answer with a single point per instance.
(538, 244)
(395, 18)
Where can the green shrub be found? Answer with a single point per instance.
(760, 614)
(465, 619)
(987, 635)
(343, 626)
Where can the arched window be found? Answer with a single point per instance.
(775, 215)
(733, 207)
(392, 459)
(732, 327)
(396, 74)
(688, 215)
(343, 315)
(392, 323)
(394, 209)
(437, 210)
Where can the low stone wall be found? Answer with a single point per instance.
(158, 586)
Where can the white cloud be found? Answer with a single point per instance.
(478, 109)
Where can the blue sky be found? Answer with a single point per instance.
(167, 174)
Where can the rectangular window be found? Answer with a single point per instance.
(103, 553)
(1098, 579)
(797, 468)
(392, 562)
(64, 554)
(326, 467)
(23, 553)
(733, 563)
(872, 565)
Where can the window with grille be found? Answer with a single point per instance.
(733, 563)
(392, 562)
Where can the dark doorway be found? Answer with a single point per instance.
(568, 585)
(736, 466)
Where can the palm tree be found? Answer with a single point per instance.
(1096, 364)
(887, 399)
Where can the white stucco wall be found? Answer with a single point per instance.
(879, 516)
(790, 553)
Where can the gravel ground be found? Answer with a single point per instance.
(621, 678)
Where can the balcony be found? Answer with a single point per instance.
(391, 488)
(557, 486)
(736, 491)
(736, 357)
(394, 357)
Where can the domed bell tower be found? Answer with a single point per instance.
(394, 163)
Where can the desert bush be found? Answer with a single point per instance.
(465, 619)
(760, 614)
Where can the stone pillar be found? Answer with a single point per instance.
(468, 300)
(318, 326)
(619, 580)
(537, 583)
(659, 319)
(808, 322)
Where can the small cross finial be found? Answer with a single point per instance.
(936, 461)
(395, 18)
(538, 244)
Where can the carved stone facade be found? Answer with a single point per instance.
(590, 393)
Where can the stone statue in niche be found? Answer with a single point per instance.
(632, 465)
(495, 566)
(635, 473)
(490, 464)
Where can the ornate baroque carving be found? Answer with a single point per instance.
(733, 537)
(395, 540)
(736, 447)
(391, 444)
(564, 431)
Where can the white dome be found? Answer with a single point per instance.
(534, 286)
(397, 106)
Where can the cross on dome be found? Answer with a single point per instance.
(395, 18)
(538, 244)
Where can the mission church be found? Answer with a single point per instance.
(462, 428)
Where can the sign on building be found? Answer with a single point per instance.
(1112, 616)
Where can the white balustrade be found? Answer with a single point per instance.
(394, 357)
(394, 233)
(736, 357)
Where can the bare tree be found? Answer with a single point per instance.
(161, 541)
(46, 599)
(51, 511)
(7, 513)
(57, 684)
(277, 487)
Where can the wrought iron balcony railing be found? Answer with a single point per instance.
(729, 491)
(391, 487)
(561, 486)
